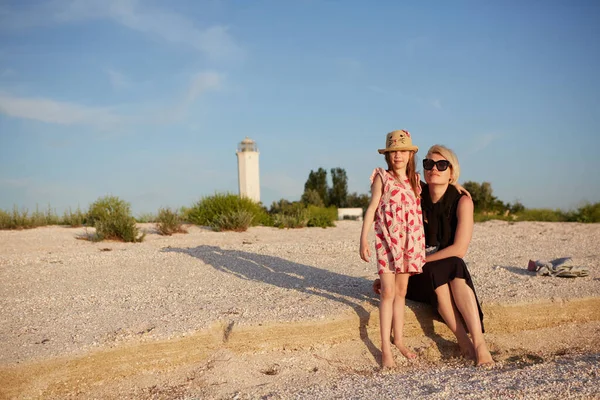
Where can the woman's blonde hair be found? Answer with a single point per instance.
(448, 155)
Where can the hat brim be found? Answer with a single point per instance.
(409, 148)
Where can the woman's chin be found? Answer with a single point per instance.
(436, 180)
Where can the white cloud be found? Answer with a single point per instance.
(117, 79)
(213, 41)
(66, 113)
(203, 81)
(7, 73)
(480, 142)
(377, 89)
(436, 103)
(56, 112)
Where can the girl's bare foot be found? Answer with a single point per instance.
(405, 351)
(484, 358)
(387, 359)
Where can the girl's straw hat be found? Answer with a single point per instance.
(397, 141)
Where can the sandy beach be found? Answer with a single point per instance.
(278, 314)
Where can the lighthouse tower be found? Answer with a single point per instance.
(247, 155)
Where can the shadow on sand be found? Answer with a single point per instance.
(349, 290)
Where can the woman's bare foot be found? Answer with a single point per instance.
(484, 358)
(405, 351)
(466, 348)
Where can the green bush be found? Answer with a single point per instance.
(112, 219)
(586, 213)
(292, 218)
(296, 215)
(237, 221)
(321, 217)
(146, 218)
(223, 209)
(169, 222)
(542, 215)
(23, 220)
(74, 218)
(18, 219)
(41, 218)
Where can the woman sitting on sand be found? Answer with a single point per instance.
(445, 282)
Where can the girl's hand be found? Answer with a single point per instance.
(462, 190)
(365, 252)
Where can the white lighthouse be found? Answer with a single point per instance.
(248, 180)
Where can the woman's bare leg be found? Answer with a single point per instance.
(465, 301)
(386, 310)
(398, 315)
(449, 313)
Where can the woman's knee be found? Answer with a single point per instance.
(455, 259)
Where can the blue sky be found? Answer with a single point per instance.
(147, 100)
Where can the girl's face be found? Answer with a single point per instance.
(399, 159)
(435, 176)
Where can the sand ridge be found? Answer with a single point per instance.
(193, 315)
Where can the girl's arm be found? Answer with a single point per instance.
(376, 190)
(464, 232)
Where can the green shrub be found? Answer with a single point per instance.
(586, 213)
(292, 218)
(74, 219)
(542, 215)
(6, 220)
(237, 221)
(169, 222)
(112, 219)
(214, 211)
(321, 217)
(16, 219)
(144, 218)
(41, 218)
(23, 220)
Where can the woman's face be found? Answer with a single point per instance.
(435, 176)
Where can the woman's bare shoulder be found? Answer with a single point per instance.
(465, 203)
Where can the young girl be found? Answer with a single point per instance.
(399, 240)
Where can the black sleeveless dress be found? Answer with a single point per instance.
(440, 221)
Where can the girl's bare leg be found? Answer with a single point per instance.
(449, 313)
(465, 301)
(386, 306)
(398, 315)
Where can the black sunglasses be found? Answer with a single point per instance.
(441, 165)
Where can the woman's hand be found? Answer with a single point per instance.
(365, 251)
(377, 286)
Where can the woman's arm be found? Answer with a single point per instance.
(464, 232)
(376, 190)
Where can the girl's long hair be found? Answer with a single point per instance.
(411, 171)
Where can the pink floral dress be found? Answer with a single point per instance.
(399, 235)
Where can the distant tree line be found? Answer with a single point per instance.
(317, 191)
(485, 201)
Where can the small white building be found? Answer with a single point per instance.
(350, 213)
(248, 176)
